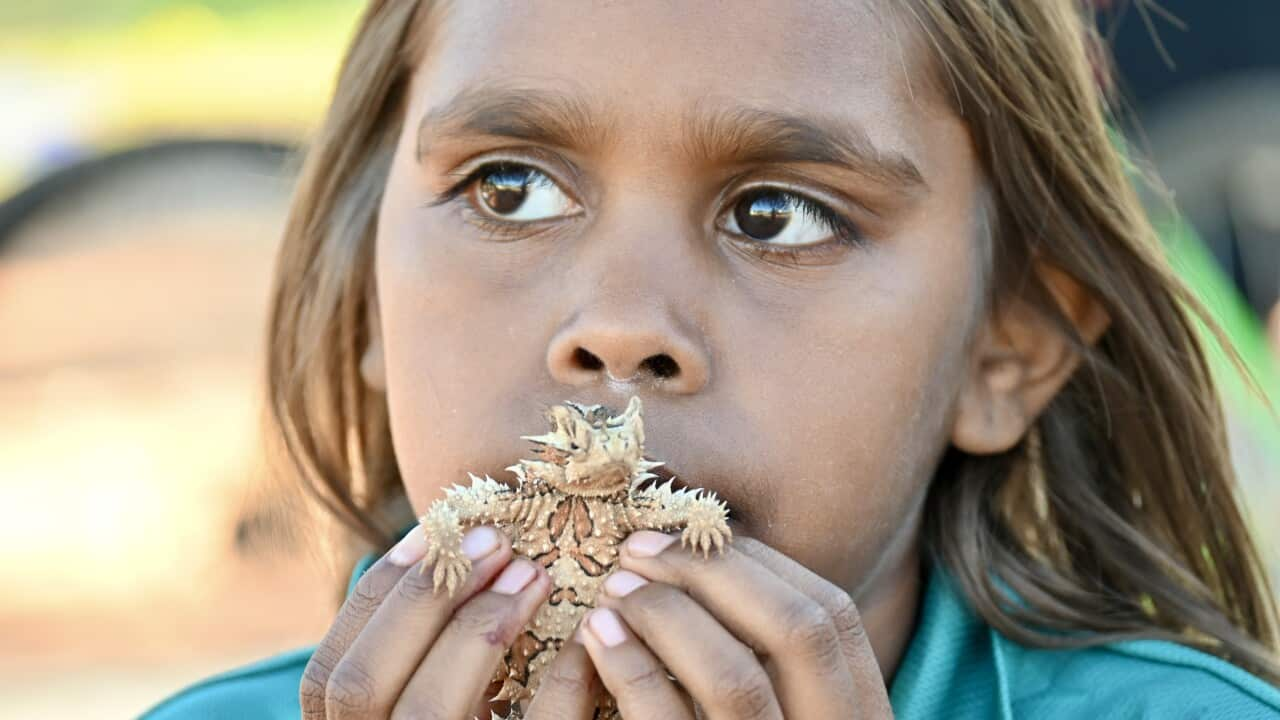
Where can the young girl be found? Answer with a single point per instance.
(876, 270)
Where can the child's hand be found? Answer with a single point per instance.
(398, 649)
(748, 634)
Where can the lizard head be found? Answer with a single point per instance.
(596, 453)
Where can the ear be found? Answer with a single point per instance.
(1018, 362)
(373, 368)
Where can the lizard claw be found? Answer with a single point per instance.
(704, 538)
(444, 548)
(707, 526)
(451, 570)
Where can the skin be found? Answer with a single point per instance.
(814, 394)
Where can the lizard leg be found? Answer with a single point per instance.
(702, 517)
(443, 529)
(485, 500)
(706, 524)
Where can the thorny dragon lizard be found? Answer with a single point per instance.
(571, 507)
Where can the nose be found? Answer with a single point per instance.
(652, 350)
(639, 307)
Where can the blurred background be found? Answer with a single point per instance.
(146, 155)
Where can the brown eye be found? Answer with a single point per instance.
(763, 214)
(503, 190)
(519, 193)
(780, 217)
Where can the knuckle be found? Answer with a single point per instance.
(350, 689)
(807, 627)
(311, 690)
(364, 600)
(845, 616)
(643, 678)
(486, 617)
(565, 680)
(415, 586)
(344, 631)
(370, 590)
(744, 690)
(652, 603)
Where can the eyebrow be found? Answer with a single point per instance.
(540, 116)
(722, 133)
(737, 133)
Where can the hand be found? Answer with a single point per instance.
(747, 634)
(398, 649)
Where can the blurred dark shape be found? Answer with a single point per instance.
(72, 181)
(133, 305)
(186, 190)
(1204, 79)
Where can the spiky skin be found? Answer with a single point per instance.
(569, 510)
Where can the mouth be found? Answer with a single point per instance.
(739, 519)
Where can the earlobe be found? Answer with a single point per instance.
(991, 413)
(1019, 362)
(372, 364)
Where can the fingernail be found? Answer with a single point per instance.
(622, 582)
(514, 578)
(479, 542)
(647, 543)
(411, 548)
(606, 626)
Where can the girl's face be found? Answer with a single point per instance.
(761, 222)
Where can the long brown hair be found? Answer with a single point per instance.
(1115, 519)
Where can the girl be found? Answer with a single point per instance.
(880, 278)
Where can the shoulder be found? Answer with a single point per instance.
(1137, 679)
(263, 690)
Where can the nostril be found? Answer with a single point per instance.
(586, 359)
(662, 365)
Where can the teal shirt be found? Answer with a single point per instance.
(956, 667)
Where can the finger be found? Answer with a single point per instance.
(364, 599)
(721, 673)
(630, 671)
(569, 687)
(812, 677)
(855, 644)
(452, 679)
(386, 625)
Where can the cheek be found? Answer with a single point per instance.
(459, 341)
(858, 411)
(827, 412)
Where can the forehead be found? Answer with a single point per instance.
(649, 64)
